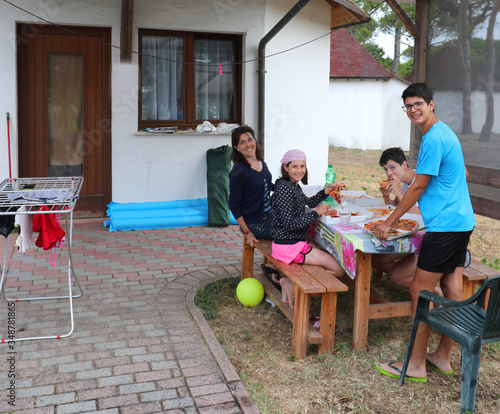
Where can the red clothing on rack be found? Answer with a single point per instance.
(49, 228)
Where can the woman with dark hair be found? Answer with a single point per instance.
(250, 185)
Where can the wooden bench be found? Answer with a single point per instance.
(308, 281)
(473, 277)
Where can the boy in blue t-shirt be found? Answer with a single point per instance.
(441, 189)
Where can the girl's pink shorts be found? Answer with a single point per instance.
(291, 253)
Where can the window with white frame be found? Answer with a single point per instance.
(187, 78)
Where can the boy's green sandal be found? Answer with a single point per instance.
(391, 375)
(434, 368)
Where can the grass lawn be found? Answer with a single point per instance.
(257, 340)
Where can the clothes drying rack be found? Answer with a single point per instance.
(24, 196)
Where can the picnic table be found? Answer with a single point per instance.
(353, 247)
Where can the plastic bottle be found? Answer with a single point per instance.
(330, 177)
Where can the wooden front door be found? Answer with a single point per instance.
(64, 108)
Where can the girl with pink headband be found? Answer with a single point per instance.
(291, 222)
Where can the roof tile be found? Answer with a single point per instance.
(349, 59)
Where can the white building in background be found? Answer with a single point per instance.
(364, 99)
(162, 167)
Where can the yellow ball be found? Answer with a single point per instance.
(250, 292)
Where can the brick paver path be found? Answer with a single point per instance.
(138, 346)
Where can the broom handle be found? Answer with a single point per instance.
(8, 143)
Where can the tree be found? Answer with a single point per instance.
(383, 21)
(490, 74)
(364, 33)
(389, 23)
(460, 19)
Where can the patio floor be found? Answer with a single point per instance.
(139, 344)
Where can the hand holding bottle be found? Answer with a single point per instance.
(329, 188)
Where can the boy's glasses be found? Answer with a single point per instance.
(417, 105)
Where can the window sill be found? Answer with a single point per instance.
(178, 133)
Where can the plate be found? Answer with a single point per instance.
(354, 219)
(379, 210)
(402, 233)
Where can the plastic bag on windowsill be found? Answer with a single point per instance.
(225, 127)
(206, 127)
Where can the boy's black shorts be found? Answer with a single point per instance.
(443, 252)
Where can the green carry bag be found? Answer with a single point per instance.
(218, 168)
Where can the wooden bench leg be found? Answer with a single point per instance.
(300, 324)
(468, 286)
(247, 261)
(327, 321)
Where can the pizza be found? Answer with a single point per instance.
(402, 225)
(405, 224)
(335, 192)
(372, 225)
(383, 183)
(332, 213)
(379, 212)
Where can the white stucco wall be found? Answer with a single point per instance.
(366, 114)
(173, 167)
(297, 87)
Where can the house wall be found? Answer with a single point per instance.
(172, 167)
(297, 87)
(366, 114)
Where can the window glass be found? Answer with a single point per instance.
(214, 79)
(187, 78)
(65, 108)
(162, 77)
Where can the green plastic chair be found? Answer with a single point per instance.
(468, 324)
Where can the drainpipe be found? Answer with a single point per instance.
(262, 64)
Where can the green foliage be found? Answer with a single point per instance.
(495, 264)
(341, 347)
(363, 32)
(405, 68)
(389, 21)
(376, 51)
(207, 299)
(383, 20)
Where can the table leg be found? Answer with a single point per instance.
(361, 300)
